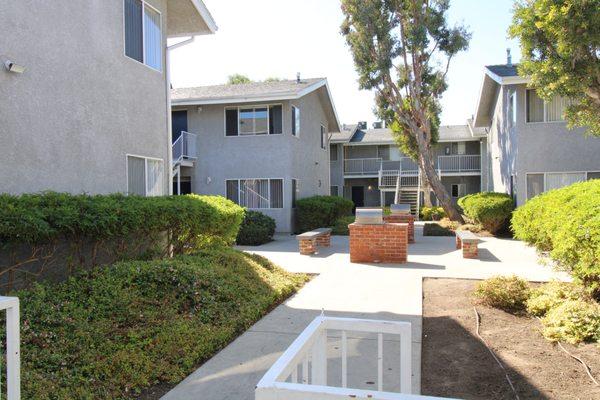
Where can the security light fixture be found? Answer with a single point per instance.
(12, 67)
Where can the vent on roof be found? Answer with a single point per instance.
(362, 124)
(377, 125)
(508, 58)
(298, 77)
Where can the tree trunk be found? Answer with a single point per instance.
(426, 188)
(427, 166)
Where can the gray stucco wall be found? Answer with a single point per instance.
(68, 122)
(337, 168)
(283, 156)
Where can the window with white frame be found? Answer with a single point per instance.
(323, 137)
(255, 120)
(145, 176)
(295, 121)
(255, 193)
(538, 183)
(539, 110)
(143, 33)
(458, 190)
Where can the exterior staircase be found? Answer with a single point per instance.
(410, 196)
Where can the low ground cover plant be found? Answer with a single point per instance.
(256, 229)
(432, 213)
(508, 293)
(566, 224)
(488, 209)
(435, 229)
(321, 211)
(341, 225)
(110, 332)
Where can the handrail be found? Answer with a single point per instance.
(460, 163)
(184, 147)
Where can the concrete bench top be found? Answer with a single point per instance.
(467, 236)
(314, 233)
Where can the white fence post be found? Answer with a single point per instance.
(13, 355)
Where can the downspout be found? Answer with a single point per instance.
(168, 93)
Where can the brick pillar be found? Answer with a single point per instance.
(403, 219)
(324, 240)
(386, 243)
(470, 250)
(458, 243)
(307, 246)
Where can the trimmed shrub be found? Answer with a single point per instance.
(573, 321)
(551, 295)
(432, 213)
(566, 223)
(112, 332)
(435, 229)
(321, 211)
(490, 210)
(341, 225)
(508, 293)
(257, 228)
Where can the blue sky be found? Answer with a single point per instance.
(277, 38)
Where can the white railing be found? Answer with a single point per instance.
(184, 148)
(301, 373)
(362, 166)
(13, 352)
(460, 163)
(388, 178)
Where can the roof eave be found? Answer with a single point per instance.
(206, 16)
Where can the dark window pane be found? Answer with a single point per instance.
(231, 122)
(294, 190)
(333, 155)
(179, 123)
(333, 191)
(275, 120)
(134, 47)
(233, 191)
(593, 175)
(276, 193)
(454, 190)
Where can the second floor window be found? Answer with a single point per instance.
(295, 121)
(323, 138)
(143, 33)
(258, 120)
(539, 110)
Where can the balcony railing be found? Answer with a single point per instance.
(302, 371)
(362, 166)
(459, 163)
(184, 148)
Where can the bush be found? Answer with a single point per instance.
(321, 211)
(489, 209)
(111, 332)
(118, 226)
(434, 229)
(341, 225)
(566, 223)
(470, 227)
(432, 213)
(550, 295)
(257, 228)
(508, 293)
(573, 321)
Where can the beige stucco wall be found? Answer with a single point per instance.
(68, 122)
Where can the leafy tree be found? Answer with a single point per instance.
(402, 49)
(237, 79)
(273, 79)
(560, 45)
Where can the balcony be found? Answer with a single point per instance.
(459, 164)
(184, 148)
(372, 166)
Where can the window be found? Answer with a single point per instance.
(383, 152)
(593, 175)
(255, 193)
(458, 190)
(323, 138)
(334, 191)
(333, 154)
(295, 121)
(535, 185)
(143, 33)
(539, 110)
(145, 176)
(295, 191)
(250, 121)
(512, 109)
(558, 180)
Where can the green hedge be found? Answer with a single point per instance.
(341, 225)
(256, 229)
(490, 210)
(114, 331)
(566, 223)
(321, 211)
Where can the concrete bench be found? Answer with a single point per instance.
(308, 241)
(468, 242)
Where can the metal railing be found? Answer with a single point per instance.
(302, 370)
(362, 166)
(13, 352)
(184, 148)
(460, 163)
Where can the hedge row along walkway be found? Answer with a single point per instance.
(377, 291)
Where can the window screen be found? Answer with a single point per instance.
(535, 185)
(134, 37)
(153, 39)
(276, 193)
(136, 175)
(535, 107)
(556, 108)
(275, 120)
(231, 122)
(295, 121)
(323, 137)
(232, 190)
(154, 184)
(559, 180)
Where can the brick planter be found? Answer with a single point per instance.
(386, 243)
(403, 219)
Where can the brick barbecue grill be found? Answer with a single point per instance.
(374, 240)
(400, 213)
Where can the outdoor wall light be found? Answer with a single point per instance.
(12, 67)
(369, 187)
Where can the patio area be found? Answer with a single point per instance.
(343, 289)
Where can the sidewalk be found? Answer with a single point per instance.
(378, 291)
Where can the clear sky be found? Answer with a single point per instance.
(277, 38)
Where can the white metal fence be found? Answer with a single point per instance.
(362, 166)
(185, 147)
(460, 163)
(13, 352)
(301, 373)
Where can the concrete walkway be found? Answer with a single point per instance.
(378, 291)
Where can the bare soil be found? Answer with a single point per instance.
(455, 363)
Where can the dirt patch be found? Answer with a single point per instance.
(455, 363)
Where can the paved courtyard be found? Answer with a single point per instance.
(376, 291)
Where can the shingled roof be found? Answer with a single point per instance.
(503, 70)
